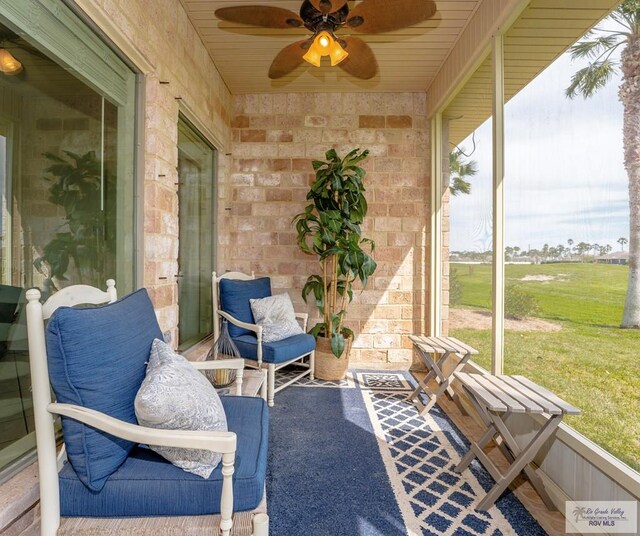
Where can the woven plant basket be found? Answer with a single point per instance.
(327, 365)
(223, 348)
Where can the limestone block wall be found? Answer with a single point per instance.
(179, 76)
(275, 138)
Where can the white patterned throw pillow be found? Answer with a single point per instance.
(176, 396)
(276, 316)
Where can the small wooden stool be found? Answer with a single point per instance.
(445, 347)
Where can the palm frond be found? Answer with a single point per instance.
(588, 80)
(459, 186)
(593, 48)
(628, 14)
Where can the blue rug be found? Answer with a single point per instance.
(354, 458)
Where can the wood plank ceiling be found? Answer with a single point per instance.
(408, 59)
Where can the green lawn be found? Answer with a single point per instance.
(591, 362)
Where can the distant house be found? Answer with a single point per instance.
(617, 257)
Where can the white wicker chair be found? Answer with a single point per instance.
(50, 462)
(257, 361)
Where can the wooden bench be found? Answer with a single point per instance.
(495, 398)
(445, 347)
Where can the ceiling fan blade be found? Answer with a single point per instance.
(377, 16)
(266, 16)
(287, 59)
(328, 6)
(360, 62)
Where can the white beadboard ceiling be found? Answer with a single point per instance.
(408, 59)
(544, 30)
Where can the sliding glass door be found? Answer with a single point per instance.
(66, 182)
(196, 172)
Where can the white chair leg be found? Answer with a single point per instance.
(260, 525)
(271, 384)
(312, 364)
(226, 500)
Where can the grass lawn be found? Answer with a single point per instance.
(591, 362)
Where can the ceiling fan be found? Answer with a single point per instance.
(324, 18)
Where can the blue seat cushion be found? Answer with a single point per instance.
(278, 351)
(148, 485)
(97, 359)
(234, 299)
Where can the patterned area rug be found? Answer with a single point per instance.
(418, 454)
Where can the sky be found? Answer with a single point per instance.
(564, 174)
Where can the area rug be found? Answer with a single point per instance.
(355, 458)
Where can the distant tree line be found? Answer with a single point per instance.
(580, 252)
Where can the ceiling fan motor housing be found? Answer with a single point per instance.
(316, 21)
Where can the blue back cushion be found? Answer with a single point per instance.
(234, 299)
(97, 359)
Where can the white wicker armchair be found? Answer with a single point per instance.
(50, 461)
(259, 354)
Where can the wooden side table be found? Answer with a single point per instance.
(495, 398)
(444, 347)
(253, 381)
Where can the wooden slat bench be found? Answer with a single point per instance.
(495, 398)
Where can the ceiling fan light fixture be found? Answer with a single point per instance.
(325, 44)
(8, 64)
(337, 54)
(313, 55)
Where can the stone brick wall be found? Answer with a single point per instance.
(264, 183)
(275, 138)
(179, 76)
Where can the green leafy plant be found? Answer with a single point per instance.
(81, 238)
(330, 227)
(518, 303)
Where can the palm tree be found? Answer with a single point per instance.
(598, 46)
(605, 250)
(581, 249)
(459, 172)
(622, 241)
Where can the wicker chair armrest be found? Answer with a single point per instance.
(224, 442)
(251, 327)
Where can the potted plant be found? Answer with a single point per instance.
(82, 238)
(330, 227)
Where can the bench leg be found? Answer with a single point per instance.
(523, 459)
(435, 371)
(469, 456)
